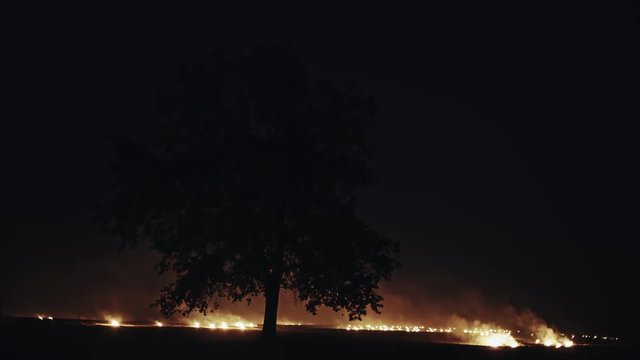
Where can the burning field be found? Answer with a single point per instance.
(114, 337)
(458, 330)
(236, 332)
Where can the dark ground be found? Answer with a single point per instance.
(34, 339)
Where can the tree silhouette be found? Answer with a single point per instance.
(245, 185)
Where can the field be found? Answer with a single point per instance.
(34, 339)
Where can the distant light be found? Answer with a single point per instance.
(240, 326)
(114, 323)
(40, 317)
(212, 326)
(196, 324)
(49, 317)
(224, 325)
(568, 343)
(548, 343)
(158, 324)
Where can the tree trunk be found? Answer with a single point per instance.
(271, 296)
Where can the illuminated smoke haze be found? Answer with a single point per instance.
(123, 285)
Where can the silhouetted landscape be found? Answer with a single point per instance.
(327, 179)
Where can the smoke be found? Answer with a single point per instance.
(540, 331)
(478, 333)
(529, 328)
(123, 285)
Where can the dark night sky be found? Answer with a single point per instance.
(505, 161)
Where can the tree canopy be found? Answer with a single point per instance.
(246, 184)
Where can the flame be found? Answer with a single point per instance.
(549, 338)
(478, 333)
(492, 337)
(218, 321)
(405, 328)
(498, 340)
(481, 334)
(556, 343)
(196, 324)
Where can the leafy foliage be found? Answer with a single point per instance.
(249, 177)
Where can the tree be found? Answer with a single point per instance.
(245, 185)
